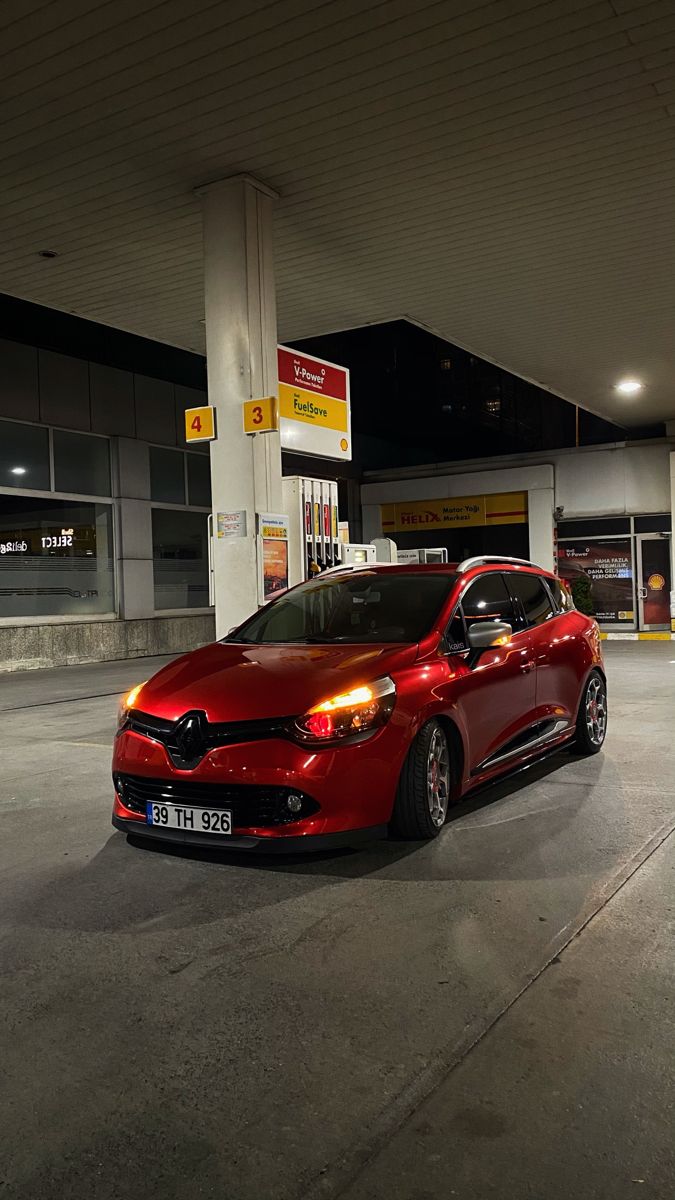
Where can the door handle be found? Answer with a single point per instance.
(528, 666)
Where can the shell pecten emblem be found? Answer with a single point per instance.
(656, 582)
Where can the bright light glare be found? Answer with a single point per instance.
(629, 387)
(360, 695)
(132, 697)
(18, 471)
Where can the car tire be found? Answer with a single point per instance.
(592, 716)
(425, 786)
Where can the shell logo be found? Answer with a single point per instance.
(344, 445)
(656, 583)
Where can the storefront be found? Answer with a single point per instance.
(601, 516)
(620, 569)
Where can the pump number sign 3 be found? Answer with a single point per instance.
(314, 406)
(200, 424)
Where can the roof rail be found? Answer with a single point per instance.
(491, 558)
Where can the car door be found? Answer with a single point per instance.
(557, 683)
(495, 696)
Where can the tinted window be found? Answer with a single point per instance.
(357, 607)
(24, 456)
(533, 597)
(167, 475)
(180, 559)
(81, 463)
(199, 479)
(561, 595)
(488, 599)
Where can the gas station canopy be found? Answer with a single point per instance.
(500, 172)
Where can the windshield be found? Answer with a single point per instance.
(359, 607)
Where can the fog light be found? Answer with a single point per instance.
(294, 804)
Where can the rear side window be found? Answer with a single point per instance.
(561, 595)
(488, 599)
(533, 597)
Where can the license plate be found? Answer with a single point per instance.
(193, 820)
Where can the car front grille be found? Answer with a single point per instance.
(250, 806)
(211, 734)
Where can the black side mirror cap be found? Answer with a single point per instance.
(483, 634)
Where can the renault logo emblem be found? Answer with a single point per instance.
(190, 739)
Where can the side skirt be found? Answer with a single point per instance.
(536, 741)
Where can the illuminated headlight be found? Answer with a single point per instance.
(128, 702)
(361, 710)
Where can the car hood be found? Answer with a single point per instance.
(234, 682)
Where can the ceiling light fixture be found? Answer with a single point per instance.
(18, 470)
(47, 254)
(628, 387)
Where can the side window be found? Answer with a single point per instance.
(561, 595)
(530, 591)
(487, 599)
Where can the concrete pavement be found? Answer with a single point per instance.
(189, 1024)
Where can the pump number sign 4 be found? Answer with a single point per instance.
(200, 424)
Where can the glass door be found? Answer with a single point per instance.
(653, 580)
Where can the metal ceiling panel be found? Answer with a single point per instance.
(501, 172)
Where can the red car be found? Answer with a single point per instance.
(363, 700)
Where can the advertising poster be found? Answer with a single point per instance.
(272, 555)
(275, 567)
(607, 569)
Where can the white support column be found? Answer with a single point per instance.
(540, 518)
(241, 347)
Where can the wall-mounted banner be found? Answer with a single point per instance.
(503, 508)
(314, 406)
(607, 568)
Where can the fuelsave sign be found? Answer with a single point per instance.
(314, 409)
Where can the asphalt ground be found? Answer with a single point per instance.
(415, 1021)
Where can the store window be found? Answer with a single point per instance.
(81, 463)
(167, 475)
(199, 479)
(56, 558)
(599, 574)
(180, 558)
(24, 456)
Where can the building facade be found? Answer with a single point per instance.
(602, 516)
(103, 512)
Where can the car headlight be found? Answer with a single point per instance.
(128, 702)
(361, 710)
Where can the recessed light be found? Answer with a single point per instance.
(18, 470)
(47, 254)
(629, 387)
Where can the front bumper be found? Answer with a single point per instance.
(353, 785)
(281, 844)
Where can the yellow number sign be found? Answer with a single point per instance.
(260, 416)
(200, 424)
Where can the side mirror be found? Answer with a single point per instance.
(483, 634)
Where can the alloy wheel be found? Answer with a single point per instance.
(438, 778)
(596, 710)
